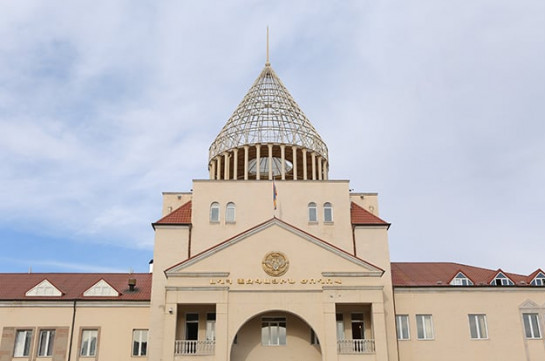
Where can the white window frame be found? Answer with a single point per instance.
(532, 329)
(424, 323)
(23, 343)
(230, 212)
(504, 280)
(86, 346)
(539, 280)
(478, 327)
(402, 327)
(46, 343)
(312, 212)
(139, 342)
(461, 280)
(328, 212)
(215, 218)
(273, 331)
(211, 326)
(339, 322)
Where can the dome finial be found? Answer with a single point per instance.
(267, 63)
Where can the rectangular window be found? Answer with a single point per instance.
(531, 325)
(45, 347)
(402, 325)
(424, 327)
(210, 326)
(273, 331)
(477, 326)
(23, 339)
(89, 342)
(139, 342)
(340, 326)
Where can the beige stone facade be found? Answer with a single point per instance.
(270, 259)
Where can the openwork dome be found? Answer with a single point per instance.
(268, 136)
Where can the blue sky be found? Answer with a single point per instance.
(437, 105)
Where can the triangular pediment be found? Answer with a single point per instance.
(44, 289)
(529, 304)
(101, 289)
(246, 253)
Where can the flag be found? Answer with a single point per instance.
(274, 194)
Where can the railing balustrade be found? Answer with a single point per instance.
(194, 347)
(355, 346)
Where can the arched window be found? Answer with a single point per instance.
(312, 215)
(230, 213)
(215, 212)
(328, 212)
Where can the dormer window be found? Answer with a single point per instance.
(101, 289)
(538, 280)
(312, 213)
(501, 280)
(45, 289)
(461, 280)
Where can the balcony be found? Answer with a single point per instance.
(194, 347)
(355, 346)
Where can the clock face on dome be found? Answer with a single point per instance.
(275, 264)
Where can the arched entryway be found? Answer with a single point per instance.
(273, 336)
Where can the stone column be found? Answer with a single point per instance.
(258, 161)
(304, 164)
(326, 170)
(212, 169)
(283, 157)
(270, 161)
(235, 164)
(294, 153)
(226, 166)
(313, 160)
(246, 162)
(319, 168)
(218, 167)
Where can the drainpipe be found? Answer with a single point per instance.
(72, 330)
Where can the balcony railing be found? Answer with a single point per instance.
(355, 346)
(194, 347)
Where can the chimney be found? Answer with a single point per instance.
(151, 266)
(132, 284)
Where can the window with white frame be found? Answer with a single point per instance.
(230, 213)
(215, 212)
(402, 325)
(424, 327)
(45, 345)
(23, 340)
(273, 331)
(538, 280)
(312, 214)
(461, 280)
(531, 325)
(328, 212)
(477, 326)
(210, 326)
(501, 280)
(88, 343)
(139, 342)
(339, 326)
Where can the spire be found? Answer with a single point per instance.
(267, 63)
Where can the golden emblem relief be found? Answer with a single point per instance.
(275, 264)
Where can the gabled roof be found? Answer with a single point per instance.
(462, 273)
(44, 289)
(441, 273)
(14, 286)
(534, 275)
(260, 227)
(181, 215)
(360, 216)
(500, 271)
(101, 289)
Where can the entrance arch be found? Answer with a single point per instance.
(275, 335)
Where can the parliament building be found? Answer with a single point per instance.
(269, 259)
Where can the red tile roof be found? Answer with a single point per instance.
(441, 273)
(14, 286)
(361, 216)
(181, 215)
